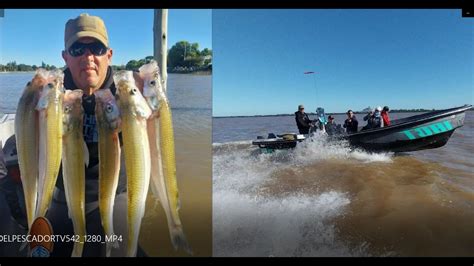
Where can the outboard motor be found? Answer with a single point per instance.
(271, 136)
(322, 120)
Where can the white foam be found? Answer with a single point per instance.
(319, 148)
(298, 225)
(218, 144)
(371, 157)
(249, 223)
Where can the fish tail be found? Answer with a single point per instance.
(109, 246)
(77, 250)
(179, 240)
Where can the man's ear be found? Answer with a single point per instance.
(64, 56)
(110, 52)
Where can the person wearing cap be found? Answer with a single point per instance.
(351, 123)
(331, 126)
(374, 119)
(385, 118)
(302, 120)
(88, 56)
(377, 118)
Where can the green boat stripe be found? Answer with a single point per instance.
(437, 128)
(408, 134)
(448, 125)
(421, 132)
(427, 131)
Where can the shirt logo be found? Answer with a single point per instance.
(90, 129)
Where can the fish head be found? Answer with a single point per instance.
(39, 80)
(35, 86)
(152, 84)
(72, 111)
(130, 98)
(106, 109)
(56, 77)
(53, 91)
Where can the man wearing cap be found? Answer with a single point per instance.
(88, 56)
(302, 120)
(331, 127)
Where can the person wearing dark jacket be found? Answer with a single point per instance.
(302, 120)
(331, 127)
(351, 123)
(369, 120)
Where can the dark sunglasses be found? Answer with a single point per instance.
(78, 48)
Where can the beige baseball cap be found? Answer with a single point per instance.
(85, 26)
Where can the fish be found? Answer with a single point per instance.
(50, 107)
(74, 159)
(108, 124)
(160, 132)
(134, 113)
(26, 134)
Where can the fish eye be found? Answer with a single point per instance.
(152, 83)
(133, 91)
(50, 85)
(109, 108)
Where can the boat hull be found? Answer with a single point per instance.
(427, 133)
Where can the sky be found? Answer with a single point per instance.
(401, 58)
(31, 36)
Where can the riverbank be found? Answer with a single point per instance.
(202, 73)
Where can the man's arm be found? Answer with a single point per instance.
(302, 120)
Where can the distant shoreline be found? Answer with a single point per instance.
(395, 112)
(10, 72)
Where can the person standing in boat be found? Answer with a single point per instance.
(302, 120)
(385, 118)
(377, 118)
(368, 118)
(351, 123)
(332, 128)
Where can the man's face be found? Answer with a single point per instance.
(88, 70)
(302, 110)
(350, 114)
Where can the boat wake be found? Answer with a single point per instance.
(251, 219)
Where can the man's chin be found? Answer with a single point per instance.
(91, 82)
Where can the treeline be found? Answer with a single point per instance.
(368, 109)
(183, 57)
(14, 67)
(411, 110)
